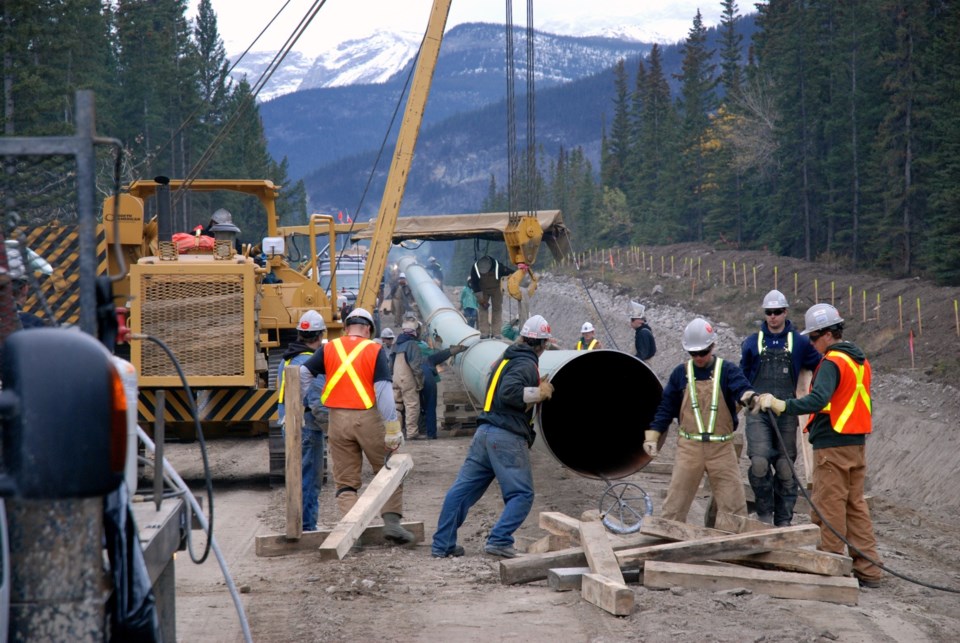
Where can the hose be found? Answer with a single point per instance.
(231, 587)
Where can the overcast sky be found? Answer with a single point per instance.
(240, 21)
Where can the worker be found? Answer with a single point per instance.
(702, 395)
(841, 408)
(511, 329)
(588, 338)
(406, 365)
(363, 418)
(468, 304)
(485, 281)
(643, 339)
(19, 282)
(386, 339)
(435, 271)
(500, 447)
(221, 226)
(431, 377)
(310, 331)
(771, 359)
(402, 298)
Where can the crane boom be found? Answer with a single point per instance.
(403, 155)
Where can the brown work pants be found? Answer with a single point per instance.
(719, 461)
(406, 390)
(490, 298)
(838, 477)
(354, 433)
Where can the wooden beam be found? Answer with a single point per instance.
(271, 545)
(675, 530)
(664, 575)
(565, 579)
(550, 542)
(599, 552)
(739, 524)
(293, 474)
(560, 524)
(607, 594)
(723, 547)
(348, 530)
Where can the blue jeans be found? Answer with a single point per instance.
(770, 475)
(428, 406)
(311, 443)
(494, 453)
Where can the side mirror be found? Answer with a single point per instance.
(62, 416)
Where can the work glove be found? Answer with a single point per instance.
(749, 401)
(767, 401)
(651, 442)
(546, 390)
(457, 349)
(394, 437)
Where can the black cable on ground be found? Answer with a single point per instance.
(803, 490)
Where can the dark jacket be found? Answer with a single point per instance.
(825, 382)
(484, 266)
(732, 386)
(644, 342)
(410, 347)
(508, 410)
(804, 355)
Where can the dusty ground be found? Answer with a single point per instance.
(403, 594)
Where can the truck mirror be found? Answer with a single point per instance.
(63, 414)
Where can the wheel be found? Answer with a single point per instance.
(623, 506)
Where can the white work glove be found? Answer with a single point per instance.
(535, 394)
(651, 442)
(394, 436)
(749, 401)
(767, 401)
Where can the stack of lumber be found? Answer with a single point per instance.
(780, 562)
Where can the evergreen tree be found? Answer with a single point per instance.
(614, 160)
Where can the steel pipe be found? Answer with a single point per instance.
(602, 402)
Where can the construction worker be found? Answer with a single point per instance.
(406, 365)
(363, 418)
(772, 359)
(500, 447)
(431, 377)
(435, 271)
(841, 408)
(702, 395)
(19, 282)
(402, 298)
(310, 331)
(386, 339)
(485, 282)
(469, 304)
(643, 340)
(588, 338)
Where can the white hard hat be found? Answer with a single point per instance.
(775, 299)
(358, 316)
(587, 328)
(637, 310)
(536, 328)
(409, 325)
(222, 221)
(387, 333)
(401, 276)
(698, 335)
(432, 259)
(15, 261)
(311, 322)
(820, 316)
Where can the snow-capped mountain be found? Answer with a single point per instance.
(363, 61)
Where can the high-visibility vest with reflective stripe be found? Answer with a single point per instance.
(492, 387)
(714, 396)
(349, 363)
(760, 345)
(283, 378)
(850, 408)
(593, 342)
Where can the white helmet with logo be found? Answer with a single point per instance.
(775, 299)
(820, 316)
(311, 322)
(358, 316)
(698, 335)
(587, 328)
(536, 328)
(637, 310)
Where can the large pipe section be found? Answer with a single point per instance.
(602, 402)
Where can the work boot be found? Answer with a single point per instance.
(394, 531)
(765, 518)
(456, 552)
(504, 551)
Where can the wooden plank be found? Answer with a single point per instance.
(608, 595)
(723, 547)
(658, 468)
(348, 530)
(675, 530)
(533, 567)
(664, 575)
(271, 545)
(806, 449)
(599, 551)
(293, 413)
(550, 542)
(560, 524)
(739, 524)
(565, 579)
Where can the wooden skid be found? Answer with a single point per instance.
(272, 545)
(599, 552)
(608, 595)
(550, 542)
(348, 530)
(663, 575)
(565, 579)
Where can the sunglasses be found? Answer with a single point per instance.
(703, 353)
(815, 336)
(774, 311)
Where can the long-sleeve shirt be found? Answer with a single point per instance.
(733, 385)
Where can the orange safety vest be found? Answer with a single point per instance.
(349, 363)
(850, 408)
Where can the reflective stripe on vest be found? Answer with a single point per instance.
(364, 391)
(593, 342)
(283, 377)
(760, 342)
(493, 385)
(695, 403)
(853, 391)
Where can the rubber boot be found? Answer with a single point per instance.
(394, 531)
